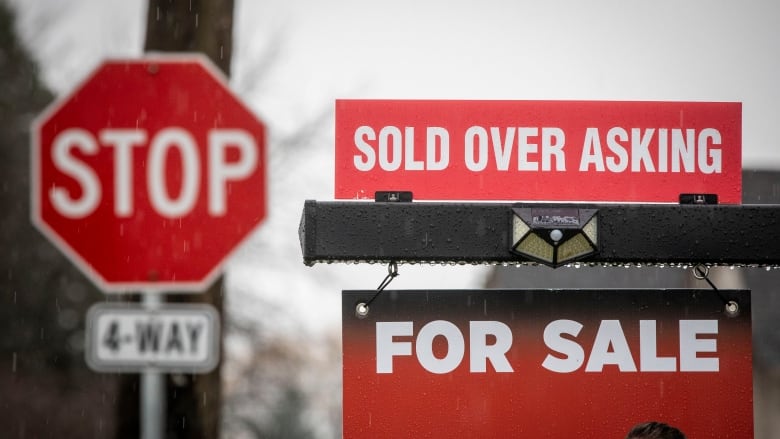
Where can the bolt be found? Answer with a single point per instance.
(361, 310)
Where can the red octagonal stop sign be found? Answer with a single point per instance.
(149, 174)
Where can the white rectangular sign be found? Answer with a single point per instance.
(168, 338)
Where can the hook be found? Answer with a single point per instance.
(362, 308)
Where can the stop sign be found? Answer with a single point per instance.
(149, 174)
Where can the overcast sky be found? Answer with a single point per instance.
(708, 50)
(701, 50)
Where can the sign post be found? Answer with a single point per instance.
(153, 391)
(147, 176)
(152, 339)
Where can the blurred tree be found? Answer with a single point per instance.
(286, 389)
(204, 26)
(43, 298)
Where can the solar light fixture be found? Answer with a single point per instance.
(554, 236)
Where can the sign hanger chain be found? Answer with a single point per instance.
(731, 307)
(702, 272)
(392, 271)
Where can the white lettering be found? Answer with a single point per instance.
(159, 195)
(168, 202)
(621, 163)
(553, 140)
(390, 140)
(489, 341)
(524, 148)
(221, 171)
(62, 200)
(480, 162)
(640, 154)
(714, 154)
(455, 347)
(502, 150)
(663, 155)
(591, 151)
(123, 142)
(683, 149)
(649, 361)
(366, 161)
(691, 345)
(479, 350)
(689, 151)
(437, 136)
(386, 348)
(574, 355)
(610, 347)
(410, 164)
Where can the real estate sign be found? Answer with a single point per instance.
(594, 151)
(546, 363)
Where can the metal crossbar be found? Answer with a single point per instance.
(481, 233)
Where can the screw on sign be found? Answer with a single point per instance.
(149, 174)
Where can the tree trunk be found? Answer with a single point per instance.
(204, 26)
(193, 400)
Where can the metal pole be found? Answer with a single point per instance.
(152, 390)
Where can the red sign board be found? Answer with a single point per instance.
(546, 363)
(149, 174)
(595, 151)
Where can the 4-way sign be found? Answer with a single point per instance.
(169, 338)
(149, 174)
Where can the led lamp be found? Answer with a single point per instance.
(554, 236)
